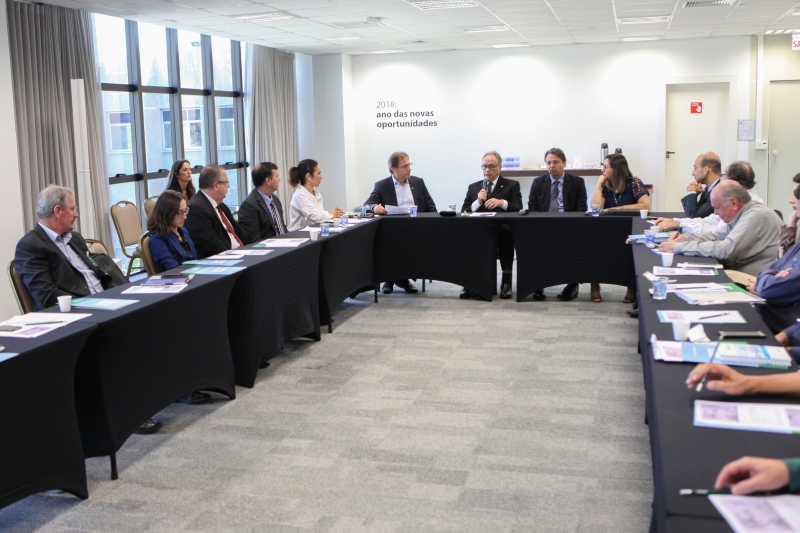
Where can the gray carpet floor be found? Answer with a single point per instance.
(419, 414)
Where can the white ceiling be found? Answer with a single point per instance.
(405, 27)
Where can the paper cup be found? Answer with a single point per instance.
(337, 222)
(314, 235)
(65, 303)
(666, 259)
(680, 329)
(643, 213)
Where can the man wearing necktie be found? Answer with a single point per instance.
(498, 194)
(557, 192)
(261, 213)
(210, 222)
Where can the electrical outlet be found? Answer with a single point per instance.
(761, 145)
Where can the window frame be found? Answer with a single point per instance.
(175, 92)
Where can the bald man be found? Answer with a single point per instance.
(706, 174)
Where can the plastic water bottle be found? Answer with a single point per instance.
(324, 230)
(660, 289)
(344, 220)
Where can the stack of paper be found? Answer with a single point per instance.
(282, 243)
(37, 324)
(641, 239)
(107, 304)
(732, 294)
(759, 514)
(729, 353)
(767, 417)
(702, 317)
(672, 271)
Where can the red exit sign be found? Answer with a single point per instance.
(697, 107)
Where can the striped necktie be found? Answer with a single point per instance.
(279, 229)
(554, 197)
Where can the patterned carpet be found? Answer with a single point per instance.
(419, 414)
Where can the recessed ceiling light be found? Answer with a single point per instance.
(652, 38)
(266, 17)
(387, 52)
(515, 45)
(478, 29)
(644, 20)
(707, 3)
(340, 38)
(443, 4)
(796, 13)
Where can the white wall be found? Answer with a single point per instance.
(11, 199)
(305, 107)
(517, 101)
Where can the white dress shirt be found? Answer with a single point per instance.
(234, 242)
(477, 205)
(404, 196)
(306, 209)
(62, 241)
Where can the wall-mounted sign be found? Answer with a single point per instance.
(796, 41)
(697, 107)
(410, 118)
(747, 130)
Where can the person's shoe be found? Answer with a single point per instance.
(195, 398)
(466, 294)
(408, 287)
(387, 288)
(263, 364)
(505, 291)
(596, 293)
(570, 292)
(633, 313)
(539, 295)
(630, 296)
(150, 426)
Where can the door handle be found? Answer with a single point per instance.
(774, 152)
(668, 152)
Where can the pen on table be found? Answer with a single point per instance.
(710, 316)
(703, 492)
(40, 323)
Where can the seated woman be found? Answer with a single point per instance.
(752, 474)
(779, 285)
(617, 189)
(306, 207)
(170, 243)
(180, 179)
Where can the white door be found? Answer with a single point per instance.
(784, 109)
(689, 133)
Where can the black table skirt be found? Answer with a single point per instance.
(557, 248)
(40, 446)
(460, 250)
(346, 266)
(275, 299)
(147, 355)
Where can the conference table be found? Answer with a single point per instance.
(135, 361)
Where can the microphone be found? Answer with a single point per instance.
(523, 212)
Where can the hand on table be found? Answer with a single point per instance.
(379, 209)
(493, 203)
(751, 286)
(336, 212)
(783, 338)
(753, 474)
(667, 224)
(720, 378)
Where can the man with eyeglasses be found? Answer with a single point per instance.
(498, 194)
(403, 190)
(210, 223)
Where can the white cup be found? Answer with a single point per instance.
(337, 222)
(643, 213)
(666, 259)
(65, 303)
(314, 235)
(680, 329)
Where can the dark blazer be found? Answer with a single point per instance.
(177, 188)
(505, 189)
(255, 218)
(209, 235)
(698, 206)
(167, 251)
(573, 192)
(384, 194)
(48, 274)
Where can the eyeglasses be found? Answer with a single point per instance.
(489, 167)
(406, 167)
(604, 166)
(183, 212)
(226, 182)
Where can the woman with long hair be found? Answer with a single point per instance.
(180, 179)
(306, 207)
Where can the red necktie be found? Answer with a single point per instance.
(228, 225)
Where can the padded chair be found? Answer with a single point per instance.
(149, 205)
(23, 296)
(147, 255)
(129, 230)
(96, 247)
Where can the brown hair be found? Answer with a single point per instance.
(167, 206)
(558, 152)
(174, 185)
(297, 175)
(394, 159)
(620, 173)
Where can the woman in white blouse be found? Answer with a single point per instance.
(306, 207)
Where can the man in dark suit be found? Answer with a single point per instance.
(403, 190)
(706, 173)
(210, 223)
(261, 213)
(557, 192)
(53, 260)
(498, 194)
